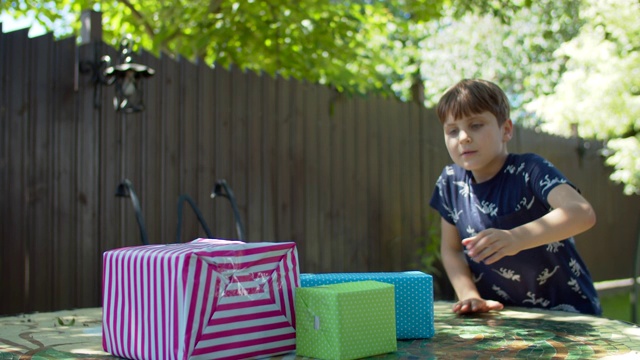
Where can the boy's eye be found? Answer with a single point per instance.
(452, 131)
(476, 126)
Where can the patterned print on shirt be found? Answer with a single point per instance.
(546, 183)
(464, 188)
(575, 286)
(575, 267)
(441, 184)
(471, 231)
(524, 202)
(449, 170)
(454, 214)
(512, 169)
(532, 300)
(500, 292)
(487, 208)
(553, 247)
(476, 278)
(546, 274)
(507, 274)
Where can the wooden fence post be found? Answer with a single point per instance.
(91, 27)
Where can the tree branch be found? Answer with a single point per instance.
(140, 17)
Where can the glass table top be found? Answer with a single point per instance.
(508, 334)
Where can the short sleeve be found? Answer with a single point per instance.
(440, 200)
(544, 177)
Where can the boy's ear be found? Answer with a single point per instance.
(507, 130)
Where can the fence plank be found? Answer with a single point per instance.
(337, 184)
(39, 173)
(5, 133)
(412, 188)
(153, 168)
(269, 162)
(403, 151)
(255, 175)
(15, 274)
(239, 145)
(374, 184)
(222, 225)
(360, 216)
(189, 151)
(206, 138)
(63, 150)
(283, 162)
(85, 194)
(312, 179)
(173, 123)
(350, 212)
(324, 183)
(298, 176)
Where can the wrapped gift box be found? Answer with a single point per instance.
(345, 321)
(414, 297)
(208, 299)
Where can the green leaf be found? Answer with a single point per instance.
(70, 323)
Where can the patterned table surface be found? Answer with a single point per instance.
(508, 334)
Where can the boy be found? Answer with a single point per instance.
(507, 220)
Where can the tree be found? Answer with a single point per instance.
(355, 46)
(516, 52)
(600, 91)
(555, 71)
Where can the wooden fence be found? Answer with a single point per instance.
(347, 179)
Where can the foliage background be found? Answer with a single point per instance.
(569, 67)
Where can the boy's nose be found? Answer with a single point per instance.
(464, 137)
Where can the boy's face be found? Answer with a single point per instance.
(477, 143)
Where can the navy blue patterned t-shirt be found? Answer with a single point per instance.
(552, 276)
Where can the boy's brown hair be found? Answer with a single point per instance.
(473, 96)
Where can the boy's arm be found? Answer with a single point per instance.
(455, 264)
(571, 215)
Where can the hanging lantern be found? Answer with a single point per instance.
(127, 76)
(128, 80)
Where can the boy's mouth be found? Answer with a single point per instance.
(467, 152)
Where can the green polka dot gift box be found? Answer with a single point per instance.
(413, 297)
(345, 321)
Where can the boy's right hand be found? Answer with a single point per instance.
(476, 305)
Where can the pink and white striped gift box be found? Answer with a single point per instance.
(206, 299)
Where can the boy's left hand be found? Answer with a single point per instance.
(491, 245)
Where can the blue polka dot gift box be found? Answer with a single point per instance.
(345, 321)
(413, 297)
